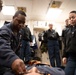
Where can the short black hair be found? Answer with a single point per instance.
(19, 12)
(73, 11)
(1, 5)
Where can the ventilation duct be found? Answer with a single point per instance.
(55, 4)
(22, 8)
(53, 10)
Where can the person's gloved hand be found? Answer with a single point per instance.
(18, 66)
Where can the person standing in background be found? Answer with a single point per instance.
(51, 37)
(64, 31)
(25, 51)
(69, 54)
(10, 44)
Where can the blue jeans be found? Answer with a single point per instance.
(25, 51)
(54, 52)
(70, 68)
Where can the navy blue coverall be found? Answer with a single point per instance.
(9, 46)
(52, 39)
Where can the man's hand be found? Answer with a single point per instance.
(64, 60)
(18, 66)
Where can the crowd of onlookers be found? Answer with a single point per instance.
(68, 57)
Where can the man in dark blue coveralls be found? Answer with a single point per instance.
(10, 44)
(52, 38)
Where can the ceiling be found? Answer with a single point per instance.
(36, 9)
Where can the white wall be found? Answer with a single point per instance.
(40, 24)
(44, 24)
(1, 23)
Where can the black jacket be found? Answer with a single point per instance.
(64, 31)
(51, 35)
(9, 44)
(26, 34)
(70, 48)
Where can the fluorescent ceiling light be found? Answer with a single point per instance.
(8, 10)
(53, 13)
